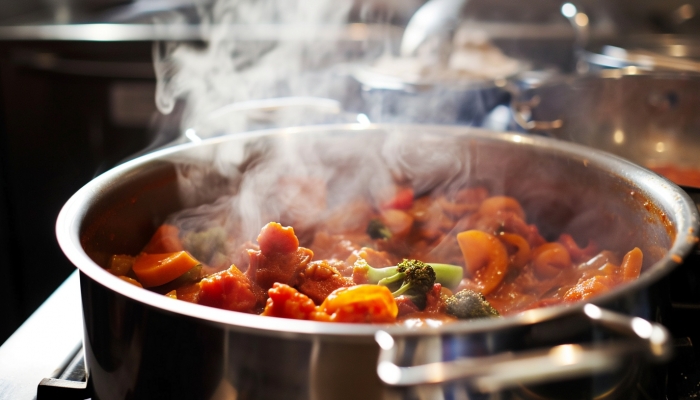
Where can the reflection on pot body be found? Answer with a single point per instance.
(143, 345)
(650, 119)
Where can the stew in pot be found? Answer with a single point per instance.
(411, 260)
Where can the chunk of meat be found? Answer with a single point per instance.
(319, 279)
(286, 302)
(406, 306)
(230, 290)
(280, 259)
(435, 300)
(327, 246)
(276, 239)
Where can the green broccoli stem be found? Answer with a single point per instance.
(375, 275)
(403, 289)
(397, 277)
(447, 275)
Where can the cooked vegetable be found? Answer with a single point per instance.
(192, 276)
(446, 274)
(377, 230)
(361, 303)
(417, 279)
(468, 304)
(491, 251)
(204, 245)
(158, 269)
(414, 275)
(131, 280)
(485, 258)
(120, 264)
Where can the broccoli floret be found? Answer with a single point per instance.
(204, 245)
(377, 230)
(447, 275)
(415, 276)
(410, 278)
(468, 304)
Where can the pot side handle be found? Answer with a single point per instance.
(506, 370)
(522, 114)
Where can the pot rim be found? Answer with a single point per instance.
(674, 200)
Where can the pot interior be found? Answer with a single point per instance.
(563, 188)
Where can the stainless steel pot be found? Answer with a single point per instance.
(650, 52)
(650, 119)
(139, 344)
(388, 99)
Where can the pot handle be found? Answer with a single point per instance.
(522, 112)
(506, 370)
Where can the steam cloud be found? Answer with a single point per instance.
(258, 50)
(277, 49)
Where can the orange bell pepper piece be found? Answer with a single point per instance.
(361, 303)
(158, 269)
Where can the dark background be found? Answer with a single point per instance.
(60, 127)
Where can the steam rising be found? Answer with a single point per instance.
(257, 50)
(312, 182)
(254, 51)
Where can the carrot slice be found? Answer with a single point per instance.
(165, 240)
(157, 269)
(632, 264)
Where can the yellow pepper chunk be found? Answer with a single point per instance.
(361, 303)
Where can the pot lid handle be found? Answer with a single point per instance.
(506, 370)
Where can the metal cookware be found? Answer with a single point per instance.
(387, 99)
(648, 118)
(139, 344)
(650, 52)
